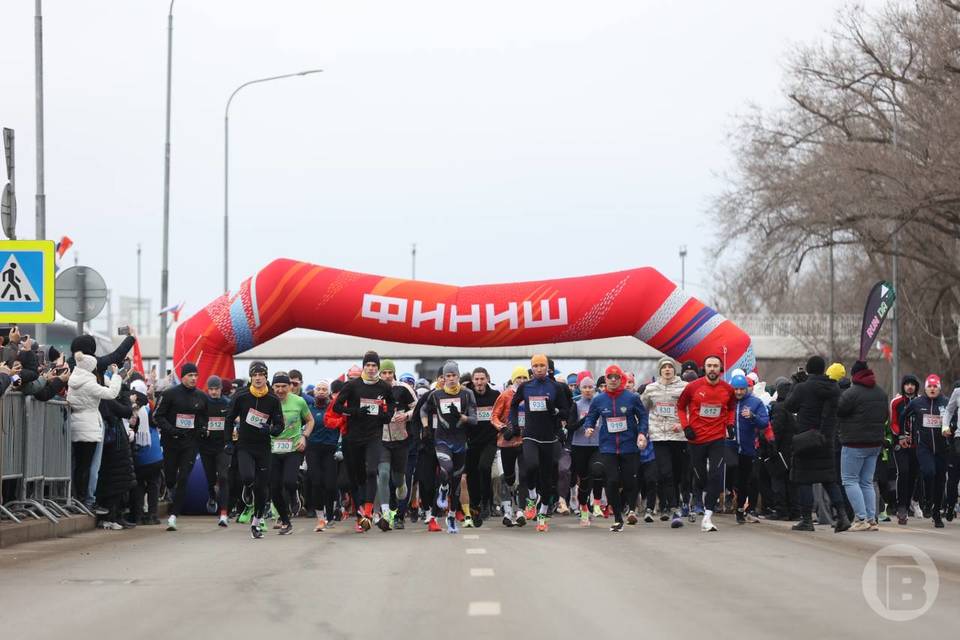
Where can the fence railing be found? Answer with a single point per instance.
(35, 459)
(798, 324)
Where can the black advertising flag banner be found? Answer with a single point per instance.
(879, 303)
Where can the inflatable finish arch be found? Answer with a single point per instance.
(287, 294)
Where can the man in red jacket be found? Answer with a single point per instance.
(707, 411)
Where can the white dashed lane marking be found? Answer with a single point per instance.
(476, 551)
(483, 609)
(481, 572)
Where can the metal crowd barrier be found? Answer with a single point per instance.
(35, 458)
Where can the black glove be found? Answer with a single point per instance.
(276, 429)
(562, 435)
(453, 415)
(731, 432)
(203, 431)
(508, 433)
(551, 407)
(689, 433)
(228, 448)
(367, 409)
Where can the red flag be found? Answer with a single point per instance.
(138, 358)
(62, 246)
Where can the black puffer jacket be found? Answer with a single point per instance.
(116, 476)
(864, 411)
(814, 402)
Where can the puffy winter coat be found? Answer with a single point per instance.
(660, 400)
(814, 401)
(863, 411)
(84, 396)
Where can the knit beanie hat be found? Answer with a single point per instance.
(187, 369)
(836, 371)
(816, 366)
(387, 365)
(214, 382)
(858, 366)
(371, 356)
(451, 367)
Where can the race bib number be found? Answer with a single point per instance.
(709, 411)
(216, 424)
(281, 446)
(616, 424)
(484, 414)
(256, 418)
(521, 419)
(932, 421)
(395, 431)
(538, 403)
(446, 403)
(366, 402)
(184, 421)
(666, 410)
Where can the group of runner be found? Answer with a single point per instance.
(382, 450)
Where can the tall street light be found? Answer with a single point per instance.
(164, 274)
(226, 167)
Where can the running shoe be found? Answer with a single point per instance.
(616, 527)
(112, 526)
(530, 512)
(432, 525)
(452, 524)
(752, 517)
(467, 522)
(685, 510)
(507, 522)
(286, 529)
(884, 516)
(396, 520)
(562, 507)
(698, 509)
(648, 516)
(917, 511)
(255, 532)
(707, 524)
(584, 518)
(212, 506)
(442, 496)
(383, 523)
(937, 520)
(948, 514)
(677, 520)
(632, 518)
(172, 523)
(597, 510)
(541, 523)
(223, 521)
(874, 525)
(364, 522)
(901, 516)
(741, 518)
(358, 528)
(459, 516)
(321, 525)
(664, 515)
(521, 520)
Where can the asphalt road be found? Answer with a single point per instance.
(749, 581)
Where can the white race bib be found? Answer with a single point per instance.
(365, 402)
(710, 411)
(665, 409)
(521, 419)
(184, 421)
(216, 424)
(446, 403)
(616, 424)
(256, 418)
(484, 414)
(281, 446)
(932, 421)
(537, 403)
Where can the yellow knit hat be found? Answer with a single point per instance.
(519, 372)
(836, 371)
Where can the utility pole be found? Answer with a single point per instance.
(833, 352)
(41, 213)
(164, 272)
(413, 259)
(895, 328)
(139, 298)
(683, 267)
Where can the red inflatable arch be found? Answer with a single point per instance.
(288, 294)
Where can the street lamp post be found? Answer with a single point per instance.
(683, 267)
(164, 272)
(226, 167)
(41, 212)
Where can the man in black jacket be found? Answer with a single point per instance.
(181, 416)
(863, 411)
(814, 401)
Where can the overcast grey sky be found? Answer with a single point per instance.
(509, 140)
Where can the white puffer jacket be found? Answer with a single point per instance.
(661, 401)
(84, 395)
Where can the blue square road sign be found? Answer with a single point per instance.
(26, 281)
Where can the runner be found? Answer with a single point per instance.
(321, 458)
(455, 407)
(215, 460)
(620, 419)
(481, 448)
(585, 454)
(260, 416)
(509, 428)
(287, 451)
(545, 400)
(396, 446)
(181, 415)
(925, 417)
(904, 448)
(368, 403)
(751, 422)
(669, 444)
(706, 410)
(427, 455)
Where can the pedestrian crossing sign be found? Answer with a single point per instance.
(26, 281)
